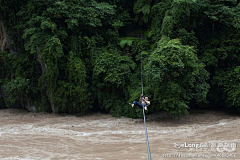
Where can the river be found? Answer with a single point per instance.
(198, 136)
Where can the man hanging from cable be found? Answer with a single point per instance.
(143, 102)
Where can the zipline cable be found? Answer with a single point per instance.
(148, 148)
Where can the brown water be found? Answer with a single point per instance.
(26, 135)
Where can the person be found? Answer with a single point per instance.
(143, 102)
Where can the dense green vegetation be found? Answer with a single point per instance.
(80, 56)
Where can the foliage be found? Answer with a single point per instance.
(176, 76)
(229, 81)
(16, 88)
(56, 22)
(142, 9)
(113, 68)
(81, 56)
(111, 74)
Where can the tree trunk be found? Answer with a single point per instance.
(44, 69)
(42, 63)
(2, 104)
(3, 99)
(3, 36)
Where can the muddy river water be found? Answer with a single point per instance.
(198, 136)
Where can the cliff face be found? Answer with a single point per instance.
(6, 44)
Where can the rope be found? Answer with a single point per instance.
(148, 148)
(141, 67)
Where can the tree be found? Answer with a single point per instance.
(176, 76)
